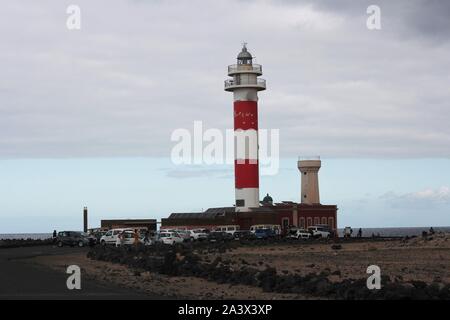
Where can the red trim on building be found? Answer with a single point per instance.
(245, 115)
(246, 174)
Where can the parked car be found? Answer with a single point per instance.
(219, 236)
(110, 237)
(228, 229)
(198, 234)
(128, 238)
(320, 231)
(265, 234)
(169, 238)
(72, 238)
(299, 234)
(92, 239)
(243, 234)
(274, 227)
(98, 235)
(185, 234)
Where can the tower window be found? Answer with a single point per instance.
(304, 173)
(240, 203)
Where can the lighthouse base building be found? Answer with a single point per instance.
(285, 214)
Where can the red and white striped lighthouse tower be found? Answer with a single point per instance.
(245, 85)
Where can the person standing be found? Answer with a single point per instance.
(119, 240)
(136, 237)
(147, 237)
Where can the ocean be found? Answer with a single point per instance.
(366, 232)
(34, 236)
(394, 232)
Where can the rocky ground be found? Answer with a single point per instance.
(417, 268)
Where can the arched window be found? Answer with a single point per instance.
(302, 223)
(308, 222)
(331, 222)
(316, 220)
(324, 220)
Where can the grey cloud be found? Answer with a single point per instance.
(423, 199)
(413, 18)
(139, 70)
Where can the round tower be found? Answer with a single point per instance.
(245, 85)
(309, 168)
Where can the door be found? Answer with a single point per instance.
(285, 224)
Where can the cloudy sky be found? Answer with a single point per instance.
(86, 115)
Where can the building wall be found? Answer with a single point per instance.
(318, 214)
(286, 215)
(150, 224)
(248, 219)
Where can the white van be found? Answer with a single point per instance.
(110, 237)
(169, 238)
(320, 231)
(228, 229)
(275, 227)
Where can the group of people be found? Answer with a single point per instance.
(349, 231)
(121, 238)
(136, 237)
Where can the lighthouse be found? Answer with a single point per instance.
(245, 85)
(309, 169)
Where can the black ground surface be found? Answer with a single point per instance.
(23, 280)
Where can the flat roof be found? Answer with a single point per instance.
(130, 220)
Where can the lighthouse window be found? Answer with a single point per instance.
(304, 196)
(240, 203)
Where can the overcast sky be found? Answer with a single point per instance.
(137, 70)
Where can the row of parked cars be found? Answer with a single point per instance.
(233, 233)
(319, 231)
(174, 236)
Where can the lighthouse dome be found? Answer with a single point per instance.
(244, 54)
(268, 199)
(244, 57)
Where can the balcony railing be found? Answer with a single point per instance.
(304, 158)
(254, 68)
(259, 83)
